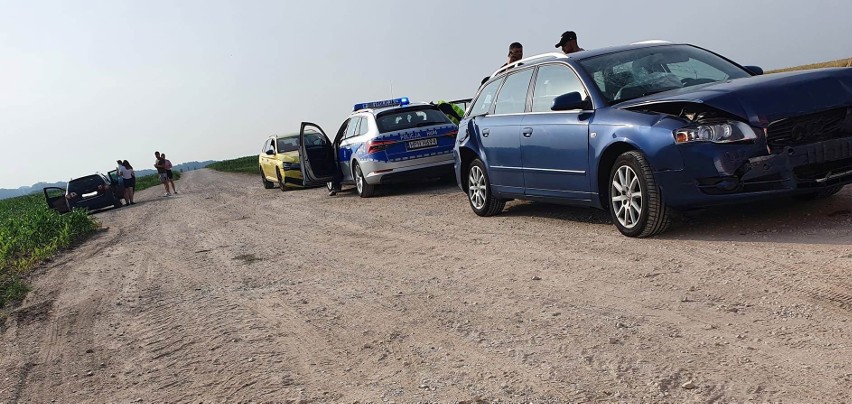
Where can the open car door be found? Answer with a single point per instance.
(316, 154)
(55, 198)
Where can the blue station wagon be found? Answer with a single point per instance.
(642, 129)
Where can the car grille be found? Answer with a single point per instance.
(812, 128)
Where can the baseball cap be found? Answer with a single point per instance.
(566, 36)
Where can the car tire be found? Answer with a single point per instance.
(479, 195)
(280, 180)
(365, 190)
(266, 183)
(634, 199)
(821, 194)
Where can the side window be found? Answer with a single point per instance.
(364, 126)
(486, 97)
(551, 82)
(513, 96)
(353, 126)
(267, 146)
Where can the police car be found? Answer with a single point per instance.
(380, 142)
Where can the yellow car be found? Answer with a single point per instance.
(279, 162)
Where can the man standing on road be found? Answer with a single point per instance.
(168, 166)
(568, 42)
(160, 165)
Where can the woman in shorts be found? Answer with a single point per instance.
(126, 172)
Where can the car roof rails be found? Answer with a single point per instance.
(537, 58)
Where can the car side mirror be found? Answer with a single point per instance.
(270, 152)
(567, 102)
(755, 70)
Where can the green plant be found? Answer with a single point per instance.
(29, 233)
(247, 164)
(152, 180)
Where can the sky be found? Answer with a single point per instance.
(85, 82)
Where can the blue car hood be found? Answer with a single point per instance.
(765, 99)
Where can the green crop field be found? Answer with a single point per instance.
(152, 180)
(247, 164)
(30, 233)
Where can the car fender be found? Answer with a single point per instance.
(653, 139)
(468, 142)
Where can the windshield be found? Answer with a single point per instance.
(636, 73)
(287, 144)
(400, 119)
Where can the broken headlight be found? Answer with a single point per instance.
(715, 131)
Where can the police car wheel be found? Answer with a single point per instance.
(280, 180)
(482, 201)
(365, 190)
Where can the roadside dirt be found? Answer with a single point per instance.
(229, 292)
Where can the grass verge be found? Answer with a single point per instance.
(833, 63)
(152, 180)
(247, 164)
(31, 233)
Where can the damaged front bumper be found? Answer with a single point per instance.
(718, 174)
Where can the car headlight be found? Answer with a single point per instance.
(716, 132)
(290, 166)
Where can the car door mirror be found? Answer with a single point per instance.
(755, 70)
(270, 152)
(566, 102)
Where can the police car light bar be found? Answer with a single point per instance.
(381, 104)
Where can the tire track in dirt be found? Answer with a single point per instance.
(235, 293)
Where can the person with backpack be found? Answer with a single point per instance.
(168, 166)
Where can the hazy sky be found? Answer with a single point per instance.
(83, 83)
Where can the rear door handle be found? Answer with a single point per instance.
(527, 132)
(486, 132)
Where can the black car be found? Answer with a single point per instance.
(92, 192)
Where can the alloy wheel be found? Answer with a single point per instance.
(476, 187)
(626, 197)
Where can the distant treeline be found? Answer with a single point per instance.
(37, 187)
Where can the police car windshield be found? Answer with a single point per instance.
(85, 184)
(288, 144)
(408, 118)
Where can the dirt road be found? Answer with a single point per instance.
(230, 292)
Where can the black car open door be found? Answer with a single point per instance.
(316, 154)
(55, 198)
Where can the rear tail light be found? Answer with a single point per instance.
(374, 146)
(453, 133)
